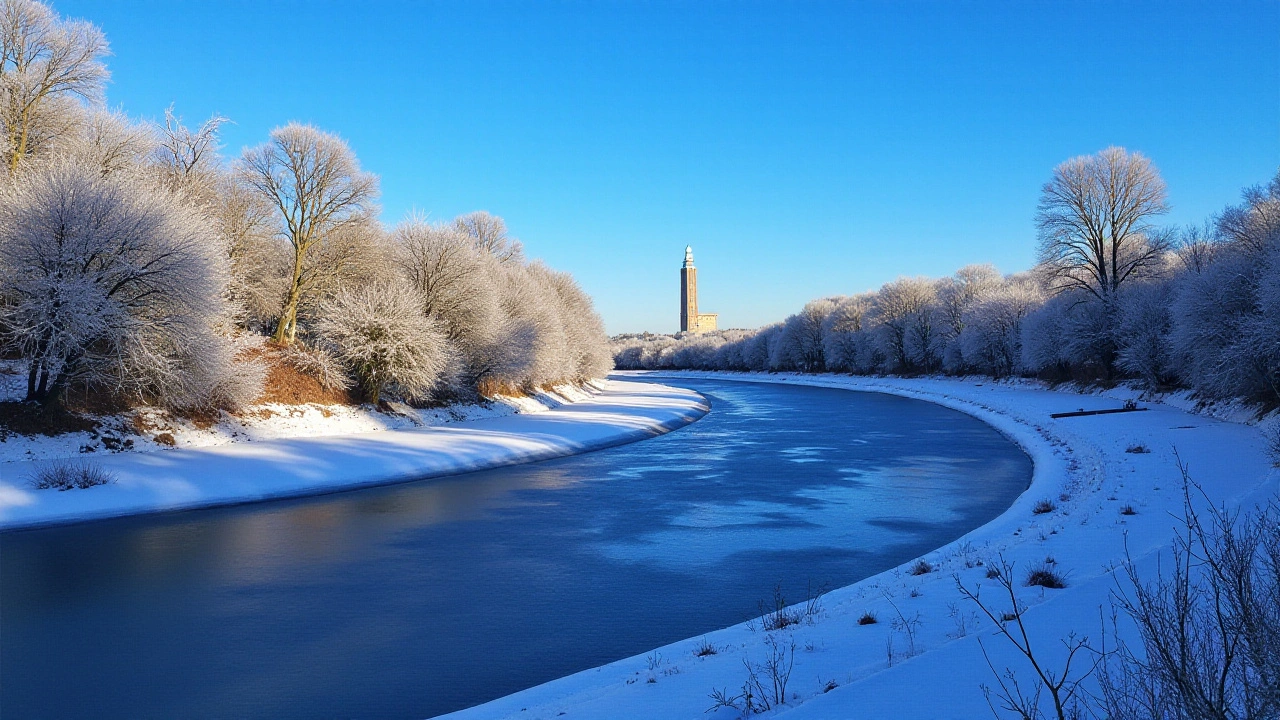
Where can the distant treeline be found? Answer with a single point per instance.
(1114, 297)
(138, 266)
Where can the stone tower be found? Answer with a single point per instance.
(690, 319)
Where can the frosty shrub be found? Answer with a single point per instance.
(1143, 334)
(380, 333)
(70, 475)
(114, 285)
(318, 363)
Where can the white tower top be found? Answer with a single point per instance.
(688, 256)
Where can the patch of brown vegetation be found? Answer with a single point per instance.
(289, 386)
(490, 388)
(165, 439)
(203, 418)
(24, 418)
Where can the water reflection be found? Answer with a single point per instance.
(416, 599)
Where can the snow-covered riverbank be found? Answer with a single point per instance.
(236, 472)
(1093, 470)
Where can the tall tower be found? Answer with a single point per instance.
(690, 319)
(688, 293)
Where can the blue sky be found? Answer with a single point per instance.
(803, 149)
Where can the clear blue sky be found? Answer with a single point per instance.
(803, 149)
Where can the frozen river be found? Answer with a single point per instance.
(413, 600)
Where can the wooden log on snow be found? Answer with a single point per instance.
(1082, 413)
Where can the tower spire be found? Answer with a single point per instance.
(688, 256)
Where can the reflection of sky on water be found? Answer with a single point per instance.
(415, 599)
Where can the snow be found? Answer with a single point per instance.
(1081, 464)
(301, 456)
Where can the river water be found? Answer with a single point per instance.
(412, 600)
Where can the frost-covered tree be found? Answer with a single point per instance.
(802, 344)
(455, 285)
(108, 140)
(489, 234)
(1143, 333)
(908, 330)
(956, 295)
(47, 65)
(188, 158)
(317, 189)
(380, 333)
(1225, 334)
(115, 285)
(1094, 222)
(990, 340)
(846, 334)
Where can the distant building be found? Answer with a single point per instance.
(690, 319)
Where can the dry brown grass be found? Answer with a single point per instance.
(490, 388)
(287, 385)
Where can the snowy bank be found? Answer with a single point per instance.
(922, 658)
(185, 478)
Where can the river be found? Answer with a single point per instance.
(416, 599)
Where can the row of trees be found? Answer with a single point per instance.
(137, 264)
(1113, 297)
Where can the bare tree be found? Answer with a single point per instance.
(316, 186)
(189, 158)
(489, 233)
(1093, 221)
(45, 62)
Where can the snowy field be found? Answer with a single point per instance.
(1094, 470)
(315, 449)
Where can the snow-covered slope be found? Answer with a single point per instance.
(148, 429)
(315, 462)
(1090, 468)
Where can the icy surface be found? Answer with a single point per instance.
(307, 458)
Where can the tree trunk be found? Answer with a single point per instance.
(32, 374)
(287, 328)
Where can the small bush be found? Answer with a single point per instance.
(922, 567)
(1043, 575)
(993, 572)
(868, 618)
(704, 649)
(1043, 507)
(1137, 449)
(777, 616)
(1128, 510)
(70, 474)
(1008, 617)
